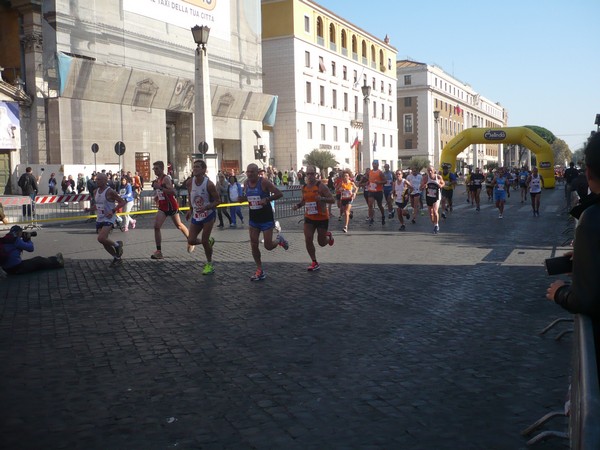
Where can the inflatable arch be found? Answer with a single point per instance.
(510, 135)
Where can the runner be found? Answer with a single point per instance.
(375, 188)
(315, 198)
(164, 195)
(468, 184)
(489, 186)
(387, 189)
(401, 193)
(259, 192)
(501, 184)
(432, 183)
(204, 199)
(477, 180)
(105, 199)
(523, 177)
(535, 183)
(450, 182)
(348, 192)
(415, 179)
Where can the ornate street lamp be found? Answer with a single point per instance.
(203, 124)
(366, 91)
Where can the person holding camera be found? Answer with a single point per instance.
(582, 296)
(11, 247)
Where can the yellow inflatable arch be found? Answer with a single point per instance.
(510, 135)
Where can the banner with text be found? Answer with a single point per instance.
(186, 13)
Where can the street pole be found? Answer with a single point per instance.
(366, 147)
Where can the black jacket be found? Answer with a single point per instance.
(583, 295)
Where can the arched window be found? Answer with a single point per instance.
(354, 48)
(332, 40)
(320, 37)
(381, 61)
(373, 57)
(363, 52)
(344, 43)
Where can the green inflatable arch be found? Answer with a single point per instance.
(509, 135)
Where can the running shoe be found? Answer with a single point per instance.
(258, 276)
(351, 215)
(277, 226)
(413, 221)
(436, 229)
(443, 215)
(331, 240)
(499, 216)
(345, 230)
(208, 269)
(371, 222)
(119, 249)
(157, 255)
(283, 242)
(116, 262)
(478, 209)
(133, 223)
(191, 248)
(402, 228)
(314, 266)
(382, 220)
(211, 241)
(220, 225)
(407, 215)
(339, 218)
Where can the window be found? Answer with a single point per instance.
(383, 140)
(374, 109)
(323, 134)
(373, 84)
(335, 134)
(307, 24)
(308, 92)
(322, 95)
(346, 135)
(321, 65)
(391, 141)
(320, 36)
(306, 59)
(309, 130)
(390, 89)
(355, 77)
(408, 144)
(334, 99)
(345, 73)
(408, 123)
(333, 68)
(356, 103)
(407, 80)
(382, 112)
(407, 101)
(345, 101)
(382, 86)
(390, 114)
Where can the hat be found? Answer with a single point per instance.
(15, 229)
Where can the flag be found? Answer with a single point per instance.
(355, 143)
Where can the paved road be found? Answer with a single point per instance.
(402, 340)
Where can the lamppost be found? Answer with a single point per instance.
(366, 91)
(436, 139)
(597, 123)
(203, 126)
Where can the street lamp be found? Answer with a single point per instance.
(597, 122)
(366, 91)
(203, 126)
(436, 138)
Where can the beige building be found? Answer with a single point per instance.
(104, 71)
(425, 91)
(316, 62)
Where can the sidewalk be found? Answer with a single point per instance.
(402, 340)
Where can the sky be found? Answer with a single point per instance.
(540, 59)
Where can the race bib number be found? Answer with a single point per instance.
(432, 192)
(311, 208)
(500, 187)
(372, 186)
(346, 194)
(255, 202)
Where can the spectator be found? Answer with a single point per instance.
(52, 183)
(126, 193)
(29, 187)
(582, 295)
(570, 174)
(91, 187)
(13, 244)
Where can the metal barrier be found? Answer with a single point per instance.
(584, 421)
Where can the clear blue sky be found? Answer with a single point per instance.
(540, 59)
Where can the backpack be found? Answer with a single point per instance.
(4, 251)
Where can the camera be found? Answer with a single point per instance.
(27, 235)
(559, 265)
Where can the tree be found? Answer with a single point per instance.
(321, 159)
(492, 165)
(544, 133)
(418, 162)
(562, 153)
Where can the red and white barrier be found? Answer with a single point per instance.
(16, 200)
(46, 199)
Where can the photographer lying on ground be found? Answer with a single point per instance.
(11, 247)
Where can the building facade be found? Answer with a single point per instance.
(317, 64)
(108, 71)
(426, 91)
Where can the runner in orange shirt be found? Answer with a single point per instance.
(375, 188)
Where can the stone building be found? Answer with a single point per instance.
(104, 71)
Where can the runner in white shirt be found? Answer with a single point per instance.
(414, 179)
(535, 183)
